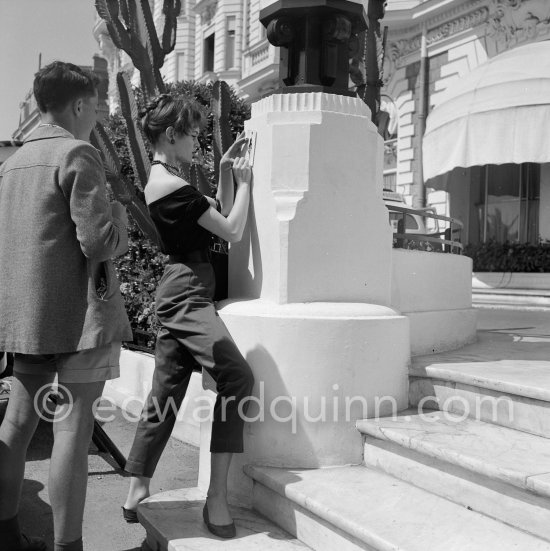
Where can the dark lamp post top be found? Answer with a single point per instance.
(317, 39)
(280, 7)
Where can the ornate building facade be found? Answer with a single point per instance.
(431, 48)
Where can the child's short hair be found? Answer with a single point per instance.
(59, 83)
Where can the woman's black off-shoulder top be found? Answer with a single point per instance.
(175, 215)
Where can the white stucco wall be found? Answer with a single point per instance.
(423, 281)
(434, 290)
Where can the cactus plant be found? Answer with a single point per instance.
(222, 138)
(171, 10)
(136, 146)
(131, 27)
(123, 191)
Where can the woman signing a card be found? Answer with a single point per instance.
(191, 332)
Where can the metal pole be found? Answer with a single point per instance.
(485, 206)
(419, 197)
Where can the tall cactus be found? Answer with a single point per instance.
(222, 136)
(220, 105)
(171, 11)
(136, 147)
(131, 27)
(123, 191)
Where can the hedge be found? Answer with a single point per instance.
(509, 257)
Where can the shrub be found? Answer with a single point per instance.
(509, 257)
(141, 268)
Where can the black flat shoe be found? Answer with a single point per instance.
(130, 516)
(226, 531)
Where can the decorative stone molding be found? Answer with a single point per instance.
(318, 101)
(512, 22)
(463, 23)
(445, 17)
(286, 203)
(268, 86)
(206, 10)
(456, 13)
(400, 49)
(507, 23)
(388, 68)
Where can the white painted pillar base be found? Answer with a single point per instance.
(310, 288)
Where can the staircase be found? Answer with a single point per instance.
(470, 474)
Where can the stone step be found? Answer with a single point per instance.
(499, 500)
(173, 521)
(513, 393)
(533, 298)
(359, 508)
(499, 453)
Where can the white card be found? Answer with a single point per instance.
(251, 146)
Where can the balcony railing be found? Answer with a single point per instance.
(258, 56)
(447, 241)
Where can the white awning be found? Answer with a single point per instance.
(499, 113)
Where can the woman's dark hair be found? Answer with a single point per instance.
(183, 114)
(59, 83)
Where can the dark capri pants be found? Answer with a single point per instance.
(191, 332)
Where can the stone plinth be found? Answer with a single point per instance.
(311, 287)
(318, 229)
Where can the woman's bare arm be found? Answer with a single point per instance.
(226, 187)
(231, 228)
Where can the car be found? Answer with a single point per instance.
(416, 220)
